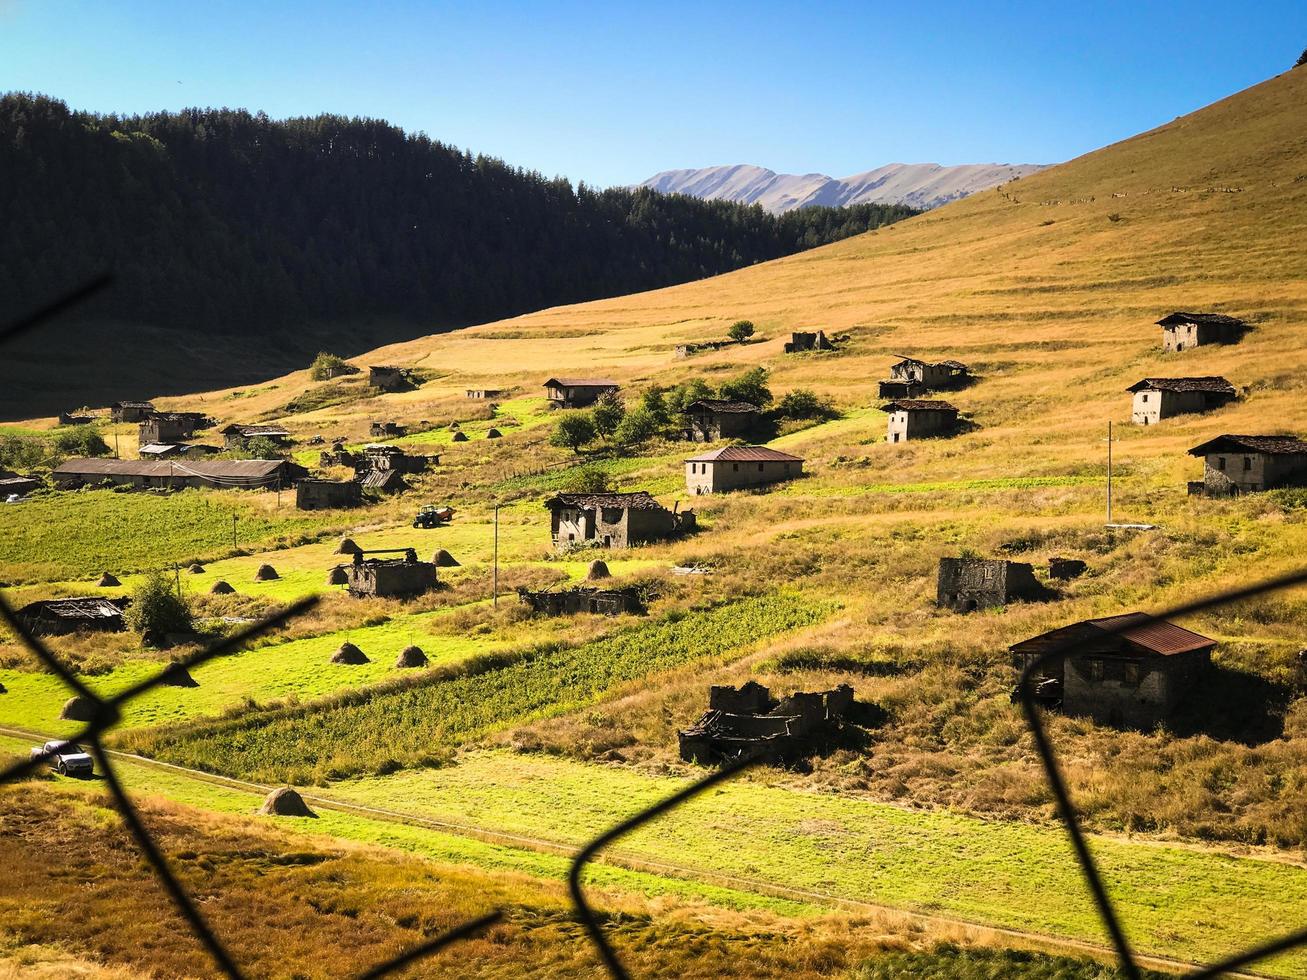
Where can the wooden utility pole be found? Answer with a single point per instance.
(233, 532)
(496, 599)
(1109, 472)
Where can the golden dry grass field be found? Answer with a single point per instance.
(1048, 287)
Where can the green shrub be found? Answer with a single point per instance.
(327, 366)
(803, 404)
(588, 479)
(686, 394)
(21, 452)
(159, 607)
(80, 440)
(740, 331)
(572, 431)
(638, 426)
(608, 414)
(751, 386)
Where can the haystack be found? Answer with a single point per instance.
(77, 709)
(266, 573)
(411, 656)
(459, 437)
(494, 434)
(349, 654)
(337, 576)
(455, 426)
(347, 547)
(3, 689)
(443, 559)
(175, 675)
(107, 581)
(598, 570)
(221, 588)
(196, 569)
(285, 802)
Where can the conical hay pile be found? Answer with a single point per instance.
(347, 547)
(266, 573)
(77, 709)
(175, 675)
(107, 581)
(196, 569)
(494, 434)
(443, 559)
(221, 588)
(411, 657)
(285, 802)
(348, 653)
(459, 437)
(598, 570)
(337, 576)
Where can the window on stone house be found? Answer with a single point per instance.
(1134, 673)
(1144, 398)
(1247, 463)
(735, 467)
(1097, 669)
(1220, 462)
(759, 467)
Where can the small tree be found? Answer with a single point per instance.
(740, 331)
(80, 440)
(588, 479)
(259, 447)
(638, 426)
(751, 386)
(327, 366)
(158, 608)
(803, 404)
(20, 452)
(1302, 59)
(572, 431)
(654, 401)
(608, 413)
(686, 394)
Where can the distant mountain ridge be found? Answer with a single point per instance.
(917, 185)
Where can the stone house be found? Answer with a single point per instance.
(808, 341)
(73, 418)
(81, 614)
(1128, 671)
(384, 481)
(612, 520)
(912, 377)
(327, 494)
(11, 484)
(390, 577)
(383, 458)
(236, 435)
(577, 392)
(919, 418)
(1180, 331)
(484, 394)
(747, 721)
(388, 377)
(583, 599)
(712, 419)
(130, 411)
(247, 474)
(737, 467)
(1247, 464)
(387, 430)
(1160, 398)
(968, 584)
(165, 427)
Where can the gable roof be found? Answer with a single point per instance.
(1218, 385)
(1205, 319)
(745, 454)
(75, 608)
(389, 480)
(255, 430)
(579, 383)
(723, 405)
(218, 469)
(1140, 630)
(1271, 445)
(918, 405)
(638, 500)
(132, 405)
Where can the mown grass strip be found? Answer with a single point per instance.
(372, 731)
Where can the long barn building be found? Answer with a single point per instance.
(246, 474)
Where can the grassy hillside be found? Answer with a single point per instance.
(1049, 288)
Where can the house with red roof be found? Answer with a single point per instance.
(738, 467)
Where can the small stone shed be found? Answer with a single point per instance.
(386, 430)
(712, 419)
(747, 721)
(389, 377)
(1160, 398)
(12, 483)
(236, 435)
(612, 520)
(165, 427)
(1129, 671)
(919, 418)
(312, 494)
(130, 411)
(383, 458)
(577, 392)
(801, 341)
(738, 467)
(1180, 331)
(911, 377)
(75, 418)
(485, 394)
(80, 614)
(1248, 464)
(390, 577)
(968, 584)
(583, 599)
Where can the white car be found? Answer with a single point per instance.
(67, 758)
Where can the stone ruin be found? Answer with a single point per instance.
(583, 599)
(1066, 568)
(390, 577)
(747, 721)
(807, 341)
(968, 584)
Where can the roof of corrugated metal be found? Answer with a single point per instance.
(1153, 634)
(220, 468)
(744, 454)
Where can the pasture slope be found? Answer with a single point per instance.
(1048, 287)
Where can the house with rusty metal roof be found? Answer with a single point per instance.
(1160, 398)
(79, 614)
(1180, 331)
(613, 520)
(919, 418)
(712, 419)
(1130, 671)
(1247, 464)
(739, 467)
(578, 392)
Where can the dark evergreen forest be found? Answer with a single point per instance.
(224, 226)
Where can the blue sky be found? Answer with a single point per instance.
(613, 92)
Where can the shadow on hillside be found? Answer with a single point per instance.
(1234, 706)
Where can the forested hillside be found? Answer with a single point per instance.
(222, 226)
